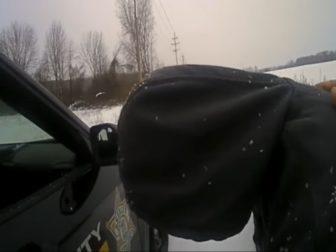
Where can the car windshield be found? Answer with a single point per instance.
(90, 54)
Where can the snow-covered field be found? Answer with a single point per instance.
(309, 74)
(96, 116)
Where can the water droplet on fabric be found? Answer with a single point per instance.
(146, 87)
(184, 175)
(249, 81)
(331, 229)
(289, 238)
(271, 240)
(331, 201)
(209, 183)
(296, 219)
(261, 150)
(306, 185)
(156, 118)
(331, 170)
(251, 142)
(259, 114)
(205, 168)
(272, 80)
(243, 149)
(265, 87)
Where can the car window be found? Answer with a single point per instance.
(29, 156)
(24, 144)
(15, 128)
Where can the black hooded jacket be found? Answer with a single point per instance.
(201, 147)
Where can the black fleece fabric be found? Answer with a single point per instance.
(201, 147)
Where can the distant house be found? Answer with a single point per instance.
(125, 68)
(114, 66)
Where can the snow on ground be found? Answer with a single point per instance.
(102, 115)
(309, 74)
(240, 242)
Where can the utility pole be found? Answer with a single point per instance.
(137, 41)
(175, 43)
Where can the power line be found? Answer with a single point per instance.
(183, 59)
(164, 10)
(181, 48)
(175, 38)
(175, 50)
(165, 27)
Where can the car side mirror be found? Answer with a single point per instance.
(104, 142)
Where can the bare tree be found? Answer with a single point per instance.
(42, 72)
(75, 69)
(56, 51)
(115, 62)
(18, 43)
(94, 53)
(137, 23)
(70, 61)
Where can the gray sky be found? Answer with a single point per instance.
(236, 33)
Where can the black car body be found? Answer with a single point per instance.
(56, 193)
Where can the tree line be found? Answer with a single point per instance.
(319, 57)
(60, 59)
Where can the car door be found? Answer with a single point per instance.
(55, 195)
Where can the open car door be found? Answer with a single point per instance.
(55, 196)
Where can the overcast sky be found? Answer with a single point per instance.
(236, 33)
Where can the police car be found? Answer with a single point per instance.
(60, 185)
